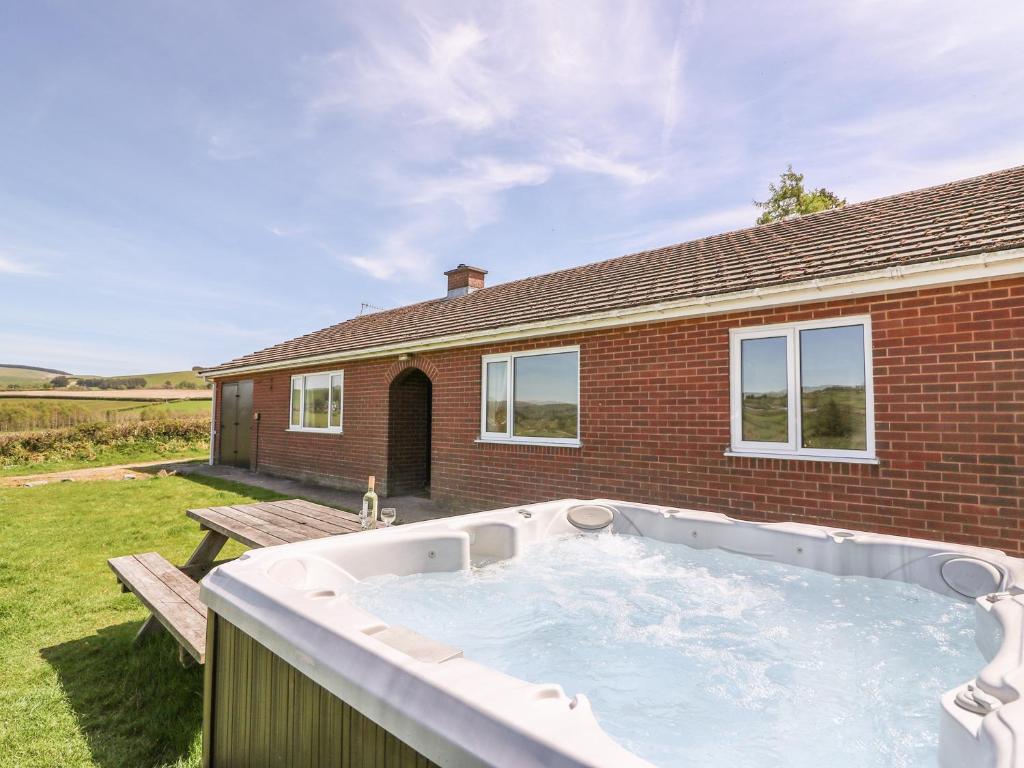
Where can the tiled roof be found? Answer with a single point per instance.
(976, 215)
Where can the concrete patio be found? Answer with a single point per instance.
(410, 509)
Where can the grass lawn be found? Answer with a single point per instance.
(74, 691)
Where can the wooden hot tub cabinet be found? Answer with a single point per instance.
(258, 710)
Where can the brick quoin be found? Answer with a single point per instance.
(654, 415)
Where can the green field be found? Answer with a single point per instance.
(165, 380)
(23, 377)
(75, 691)
(24, 414)
(172, 379)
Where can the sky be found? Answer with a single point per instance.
(183, 183)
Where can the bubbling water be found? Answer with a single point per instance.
(701, 657)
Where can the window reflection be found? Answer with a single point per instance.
(833, 398)
(316, 401)
(765, 390)
(296, 402)
(336, 400)
(546, 398)
(497, 397)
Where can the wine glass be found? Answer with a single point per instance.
(387, 516)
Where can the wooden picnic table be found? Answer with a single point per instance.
(172, 594)
(266, 524)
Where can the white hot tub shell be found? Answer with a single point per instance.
(292, 600)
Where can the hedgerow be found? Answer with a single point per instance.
(84, 441)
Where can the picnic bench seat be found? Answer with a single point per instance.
(172, 597)
(172, 593)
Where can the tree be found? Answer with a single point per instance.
(60, 381)
(788, 198)
(833, 420)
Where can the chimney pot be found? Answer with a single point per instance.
(464, 279)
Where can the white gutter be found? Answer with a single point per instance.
(213, 421)
(964, 269)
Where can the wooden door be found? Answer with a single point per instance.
(235, 422)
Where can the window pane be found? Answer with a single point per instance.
(497, 397)
(316, 401)
(336, 400)
(833, 400)
(296, 402)
(765, 390)
(546, 398)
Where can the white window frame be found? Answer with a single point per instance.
(507, 436)
(792, 448)
(302, 403)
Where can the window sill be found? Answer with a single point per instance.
(803, 457)
(536, 441)
(325, 431)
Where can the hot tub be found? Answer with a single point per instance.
(301, 671)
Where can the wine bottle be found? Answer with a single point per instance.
(368, 514)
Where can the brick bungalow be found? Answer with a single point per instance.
(862, 367)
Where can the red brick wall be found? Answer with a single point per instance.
(949, 414)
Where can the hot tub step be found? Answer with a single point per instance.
(419, 647)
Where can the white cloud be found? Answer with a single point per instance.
(889, 175)
(575, 155)
(227, 147)
(443, 72)
(11, 266)
(542, 70)
(523, 90)
(397, 256)
(434, 206)
(640, 103)
(278, 230)
(683, 229)
(475, 186)
(926, 33)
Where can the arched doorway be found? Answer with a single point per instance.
(409, 413)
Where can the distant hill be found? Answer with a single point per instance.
(33, 377)
(34, 368)
(25, 376)
(160, 380)
(164, 380)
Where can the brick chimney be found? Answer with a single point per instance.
(464, 279)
